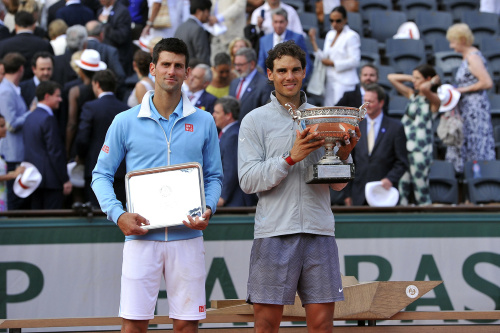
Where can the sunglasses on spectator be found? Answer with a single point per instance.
(336, 21)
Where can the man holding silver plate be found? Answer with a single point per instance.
(164, 141)
(294, 249)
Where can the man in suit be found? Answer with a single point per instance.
(95, 119)
(354, 98)
(192, 32)
(4, 31)
(198, 80)
(25, 42)
(42, 65)
(225, 114)
(109, 54)
(282, 34)
(380, 154)
(251, 88)
(117, 30)
(45, 150)
(14, 110)
(74, 12)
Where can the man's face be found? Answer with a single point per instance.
(243, 66)
(205, 14)
(53, 100)
(196, 80)
(222, 73)
(368, 75)
(221, 119)
(287, 76)
(170, 71)
(43, 69)
(375, 107)
(279, 24)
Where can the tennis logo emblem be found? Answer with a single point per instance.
(105, 149)
(189, 128)
(202, 308)
(411, 291)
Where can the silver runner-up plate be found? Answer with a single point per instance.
(165, 196)
(329, 173)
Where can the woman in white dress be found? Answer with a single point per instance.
(341, 55)
(140, 64)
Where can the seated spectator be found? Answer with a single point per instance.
(141, 68)
(198, 80)
(57, 35)
(417, 122)
(225, 115)
(222, 75)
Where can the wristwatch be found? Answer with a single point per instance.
(286, 156)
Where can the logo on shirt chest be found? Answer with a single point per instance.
(189, 128)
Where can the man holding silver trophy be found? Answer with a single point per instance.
(294, 249)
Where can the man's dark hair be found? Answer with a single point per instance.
(24, 19)
(370, 66)
(377, 89)
(229, 105)
(222, 58)
(174, 45)
(46, 87)
(41, 54)
(199, 4)
(12, 62)
(106, 80)
(288, 48)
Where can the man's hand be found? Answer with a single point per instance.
(260, 20)
(386, 183)
(303, 145)
(345, 150)
(221, 202)
(212, 20)
(67, 188)
(198, 223)
(130, 224)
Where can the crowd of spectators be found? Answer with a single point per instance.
(96, 56)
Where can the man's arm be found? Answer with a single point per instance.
(13, 119)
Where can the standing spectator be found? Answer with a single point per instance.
(32, 7)
(236, 44)
(42, 65)
(177, 253)
(380, 155)
(261, 17)
(4, 31)
(418, 128)
(294, 248)
(25, 42)
(74, 12)
(95, 119)
(225, 114)
(141, 68)
(57, 35)
(14, 110)
(230, 13)
(354, 98)
(251, 88)
(44, 149)
(222, 75)
(177, 12)
(138, 10)
(117, 28)
(76, 38)
(341, 54)
(193, 33)
(472, 81)
(279, 35)
(198, 81)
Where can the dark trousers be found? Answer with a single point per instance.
(118, 185)
(44, 198)
(13, 201)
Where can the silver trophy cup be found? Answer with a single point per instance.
(332, 123)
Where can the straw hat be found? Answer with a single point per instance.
(377, 196)
(449, 97)
(91, 60)
(27, 182)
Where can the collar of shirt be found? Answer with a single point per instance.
(362, 90)
(196, 20)
(176, 114)
(106, 11)
(45, 107)
(105, 93)
(72, 2)
(196, 96)
(228, 126)
(24, 31)
(36, 81)
(278, 38)
(377, 122)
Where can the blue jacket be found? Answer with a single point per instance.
(137, 136)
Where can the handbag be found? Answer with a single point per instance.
(316, 84)
(162, 19)
(450, 128)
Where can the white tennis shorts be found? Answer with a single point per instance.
(181, 262)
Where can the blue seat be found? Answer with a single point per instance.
(397, 106)
(383, 71)
(486, 188)
(355, 22)
(308, 20)
(448, 61)
(405, 54)
(298, 5)
(413, 7)
(369, 52)
(385, 24)
(368, 6)
(496, 134)
(433, 25)
(443, 183)
(482, 24)
(457, 7)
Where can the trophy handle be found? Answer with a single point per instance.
(362, 111)
(294, 112)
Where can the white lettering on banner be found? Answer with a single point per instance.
(83, 280)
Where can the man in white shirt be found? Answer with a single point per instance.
(261, 17)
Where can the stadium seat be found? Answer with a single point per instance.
(383, 71)
(482, 24)
(433, 25)
(298, 5)
(495, 109)
(457, 7)
(405, 54)
(397, 106)
(368, 6)
(496, 134)
(413, 7)
(448, 62)
(354, 21)
(308, 20)
(369, 52)
(443, 184)
(485, 189)
(385, 24)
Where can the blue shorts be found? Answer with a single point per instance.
(304, 263)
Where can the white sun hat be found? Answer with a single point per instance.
(90, 60)
(76, 174)
(407, 30)
(27, 182)
(377, 196)
(143, 42)
(449, 97)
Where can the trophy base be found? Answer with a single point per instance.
(329, 173)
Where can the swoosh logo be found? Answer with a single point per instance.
(340, 290)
